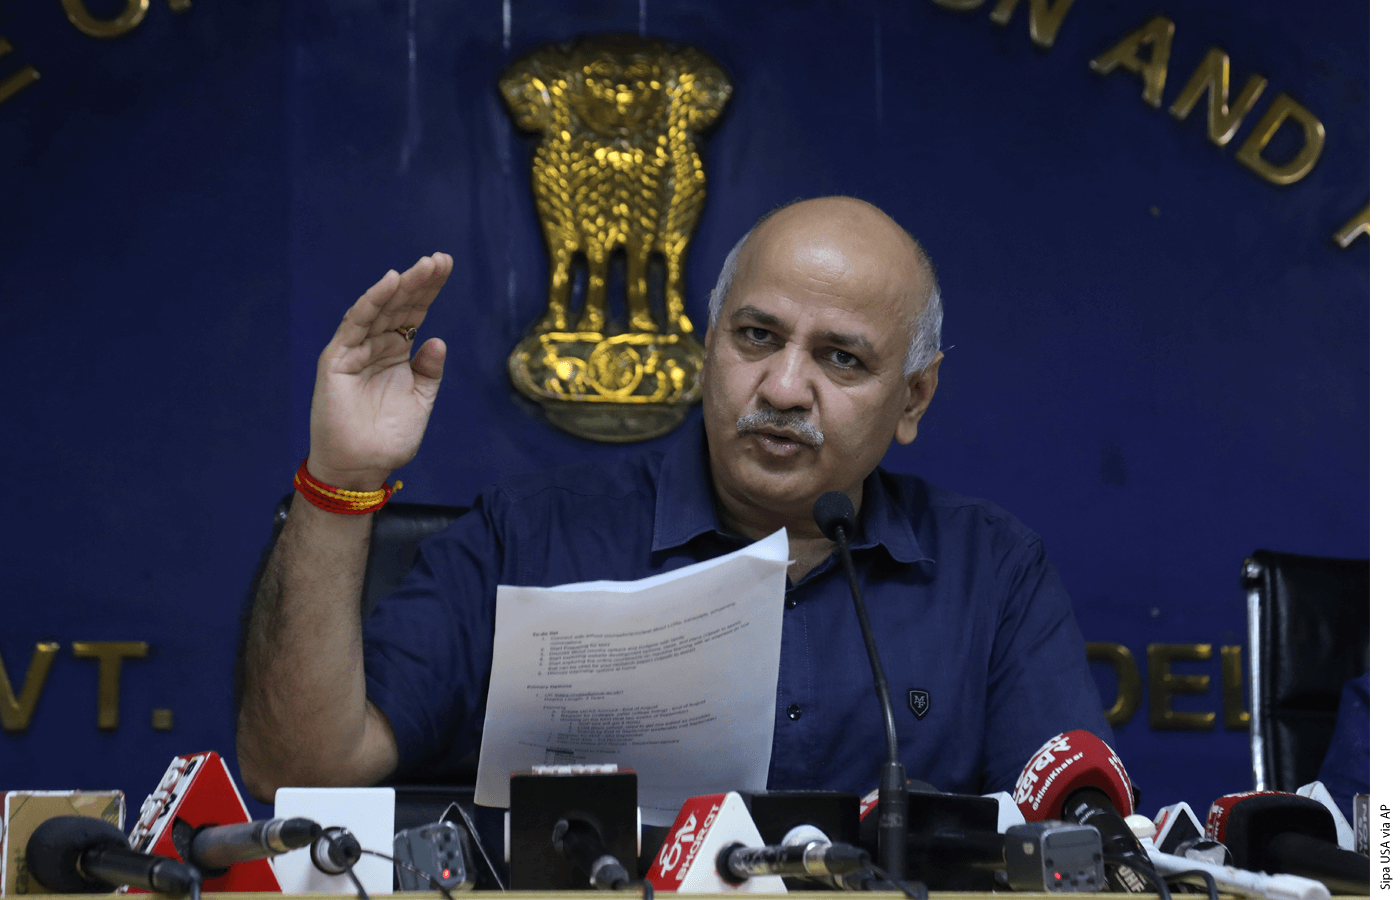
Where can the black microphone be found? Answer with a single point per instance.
(1128, 865)
(582, 842)
(816, 858)
(335, 851)
(836, 517)
(83, 855)
(214, 848)
(1275, 832)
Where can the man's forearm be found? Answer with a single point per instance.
(304, 718)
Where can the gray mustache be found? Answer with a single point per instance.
(784, 420)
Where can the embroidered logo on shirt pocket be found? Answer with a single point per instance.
(918, 702)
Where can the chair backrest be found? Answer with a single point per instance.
(1309, 634)
(393, 542)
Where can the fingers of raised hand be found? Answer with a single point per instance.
(396, 300)
(417, 288)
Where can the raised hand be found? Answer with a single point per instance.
(373, 397)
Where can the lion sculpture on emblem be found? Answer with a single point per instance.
(617, 171)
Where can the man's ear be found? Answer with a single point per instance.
(705, 366)
(922, 384)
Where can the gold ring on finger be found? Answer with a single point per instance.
(409, 332)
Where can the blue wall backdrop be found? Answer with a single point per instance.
(1159, 359)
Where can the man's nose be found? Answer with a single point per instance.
(788, 381)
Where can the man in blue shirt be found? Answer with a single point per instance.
(822, 348)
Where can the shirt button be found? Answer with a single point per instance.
(790, 603)
(794, 712)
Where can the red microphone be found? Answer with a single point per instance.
(1066, 763)
(1281, 833)
(197, 790)
(1076, 777)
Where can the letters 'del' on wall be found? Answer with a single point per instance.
(618, 186)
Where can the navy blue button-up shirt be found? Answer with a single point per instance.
(975, 631)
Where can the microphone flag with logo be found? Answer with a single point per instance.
(196, 790)
(686, 862)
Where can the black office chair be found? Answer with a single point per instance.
(393, 543)
(1309, 634)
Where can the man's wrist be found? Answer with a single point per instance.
(367, 479)
(335, 499)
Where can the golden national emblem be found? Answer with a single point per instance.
(618, 186)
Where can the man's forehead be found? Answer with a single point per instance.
(836, 239)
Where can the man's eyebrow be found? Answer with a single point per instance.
(858, 343)
(754, 314)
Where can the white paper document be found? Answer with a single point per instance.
(674, 676)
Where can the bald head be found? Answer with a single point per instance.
(845, 237)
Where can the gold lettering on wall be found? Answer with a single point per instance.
(90, 25)
(18, 81)
(1356, 226)
(1162, 683)
(1232, 688)
(1222, 117)
(1129, 682)
(1283, 108)
(109, 656)
(1156, 36)
(1046, 18)
(15, 712)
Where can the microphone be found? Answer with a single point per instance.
(1276, 832)
(1078, 778)
(572, 827)
(214, 848)
(335, 851)
(581, 841)
(836, 517)
(965, 843)
(83, 855)
(1316, 790)
(1179, 832)
(808, 856)
(196, 794)
(704, 826)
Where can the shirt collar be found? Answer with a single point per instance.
(685, 506)
(684, 476)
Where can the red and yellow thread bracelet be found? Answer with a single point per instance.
(338, 500)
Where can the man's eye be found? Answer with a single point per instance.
(758, 335)
(844, 360)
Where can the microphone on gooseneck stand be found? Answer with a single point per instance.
(82, 855)
(836, 517)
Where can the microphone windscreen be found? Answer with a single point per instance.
(1248, 821)
(55, 847)
(834, 510)
(1063, 765)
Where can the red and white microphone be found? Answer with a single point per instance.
(1066, 763)
(1277, 832)
(706, 825)
(197, 790)
(1078, 778)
